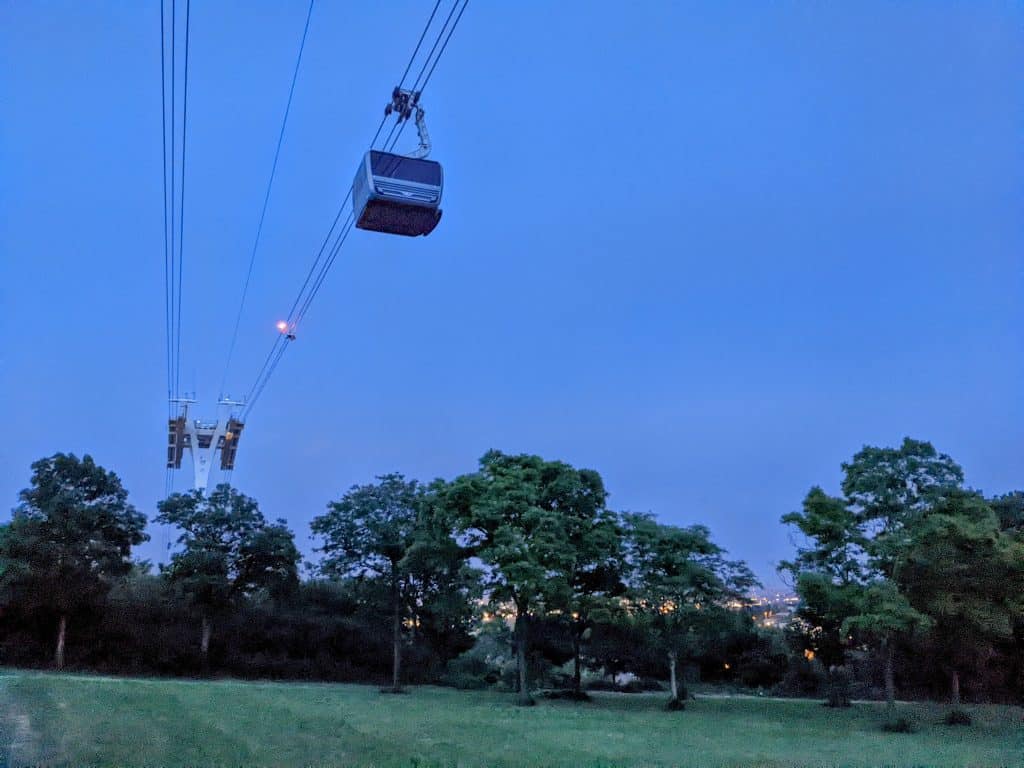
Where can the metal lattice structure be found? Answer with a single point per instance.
(203, 440)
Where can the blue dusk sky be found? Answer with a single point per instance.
(708, 249)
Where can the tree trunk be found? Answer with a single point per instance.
(521, 639)
(838, 687)
(396, 639)
(62, 628)
(890, 681)
(955, 693)
(577, 681)
(204, 642)
(672, 676)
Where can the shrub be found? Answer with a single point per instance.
(802, 678)
(566, 694)
(469, 672)
(957, 717)
(898, 725)
(640, 685)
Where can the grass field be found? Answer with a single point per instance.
(78, 720)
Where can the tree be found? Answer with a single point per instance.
(1009, 508)
(69, 539)
(444, 590)
(967, 575)
(884, 615)
(371, 530)
(677, 577)
(828, 574)
(596, 585)
(846, 573)
(594, 569)
(515, 514)
(229, 551)
(833, 545)
(889, 489)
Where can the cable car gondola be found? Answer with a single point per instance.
(397, 194)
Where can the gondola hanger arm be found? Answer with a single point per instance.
(406, 104)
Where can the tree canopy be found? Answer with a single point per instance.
(69, 540)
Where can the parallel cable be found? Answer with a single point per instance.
(181, 212)
(266, 198)
(168, 325)
(434, 46)
(323, 272)
(418, 44)
(321, 266)
(168, 224)
(174, 186)
(445, 45)
(401, 125)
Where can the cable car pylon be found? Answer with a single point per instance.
(204, 439)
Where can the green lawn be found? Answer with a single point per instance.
(77, 720)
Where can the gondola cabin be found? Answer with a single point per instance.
(396, 194)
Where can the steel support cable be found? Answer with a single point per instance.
(266, 199)
(168, 325)
(401, 125)
(259, 376)
(281, 343)
(419, 43)
(346, 229)
(168, 299)
(373, 141)
(174, 184)
(181, 212)
(274, 359)
(277, 349)
(323, 249)
(433, 48)
(323, 246)
(441, 52)
(341, 208)
(391, 133)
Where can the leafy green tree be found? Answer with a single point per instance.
(677, 577)
(846, 570)
(594, 577)
(832, 542)
(889, 489)
(967, 576)
(515, 514)
(444, 589)
(228, 552)
(1009, 508)
(69, 540)
(371, 531)
(828, 574)
(597, 587)
(884, 615)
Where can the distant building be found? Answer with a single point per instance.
(773, 611)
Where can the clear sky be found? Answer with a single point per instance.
(709, 249)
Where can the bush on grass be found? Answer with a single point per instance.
(957, 717)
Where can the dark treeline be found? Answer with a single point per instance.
(519, 576)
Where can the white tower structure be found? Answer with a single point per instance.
(203, 439)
